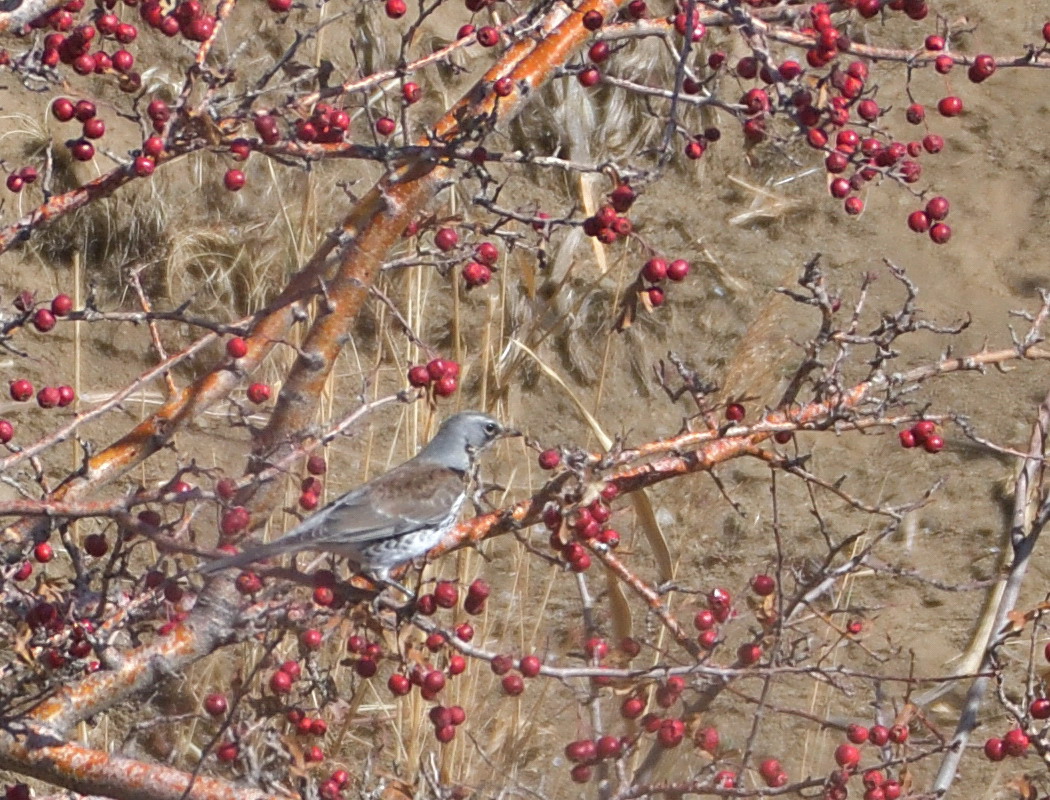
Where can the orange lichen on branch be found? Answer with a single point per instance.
(95, 772)
(381, 216)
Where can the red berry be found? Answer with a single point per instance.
(735, 412)
(418, 376)
(395, 9)
(983, 67)
(593, 20)
(258, 393)
(398, 684)
(769, 769)
(94, 128)
(95, 545)
(411, 92)
(950, 106)
(1015, 743)
(233, 180)
(227, 752)
(446, 595)
(236, 347)
(868, 110)
(82, 150)
(446, 239)
(1040, 708)
(14, 183)
(529, 666)
(48, 397)
(918, 221)
(994, 750)
(907, 439)
(143, 166)
(937, 208)
(853, 206)
(857, 734)
(932, 143)
(488, 36)
(487, 253)
(589, 77)
(763, 585)
(748, 653)
(846, 755)
(513, 685)
(940, 233)
(678, 270)
(670, 733)
(879, 735)
(933, 444)
(7, 431)
(43, 320)
(445, 387)
(234, 520)
(632, 707)
(476, 274)
(62, 109)
(655, 270)
(215, 704)
(549, 459)
(43, 552)
(433, 682)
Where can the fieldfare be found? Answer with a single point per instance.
(399, 515)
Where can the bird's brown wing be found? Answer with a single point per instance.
(398, 502)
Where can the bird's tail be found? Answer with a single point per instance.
(285, 544)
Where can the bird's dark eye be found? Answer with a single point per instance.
(491, 428)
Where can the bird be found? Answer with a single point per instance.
(397, 516)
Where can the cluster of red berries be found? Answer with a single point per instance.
(332, 787)
(47, 617)
(431, 681)
(847, 756)
(656, 271)
(1014, 744)
(719, 609)
(584, 524)
(92, 126)
(368, 655)
(478, 271)
(21, 178)
(922, 434)
(441, 375)
(446, 595)
(306, 725)
(326, 125)
(929, 220)
(311, 486)
(445, 720)
(188, 19)
(74, 49)
(48, 397)
(610, 222)
(585, 753)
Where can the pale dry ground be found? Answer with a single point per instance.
(996, 172)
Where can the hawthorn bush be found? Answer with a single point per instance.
(744, 273)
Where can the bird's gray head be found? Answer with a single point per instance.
(461, 437)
